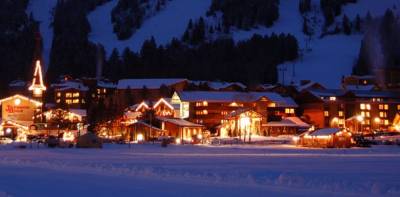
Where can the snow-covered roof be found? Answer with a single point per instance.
(308, 85)
(375, 94)
(288, 122)
(80, 112)
(359, 87)
(325, 131)
(106, 84)
(214, 96)
(179, 122)
(218, 85)
(327, 92)
(70, 84)
(148, 83)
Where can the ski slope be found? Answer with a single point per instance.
(42, 12)
(168, 23)
(329, 58)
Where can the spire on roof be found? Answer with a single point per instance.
(37, 85)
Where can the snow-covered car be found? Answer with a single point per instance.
(387, 138)
(5, 140)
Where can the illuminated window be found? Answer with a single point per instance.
(202, 112)
(363, 113)
(104, 91)
(386, 106)
(75, 101)
(367, 122)
(58, 94)
(340, 113)
(205, 103)
(326, 113)
(382, 114)
(68, 95)
(272, 105)
(365, 82)
(362, 106)
(224, 113)
(341, 121)
(367, 114)
(289, 110)
(386, 122)
(224, 121)
(83, 101)
(398, 107)
(68, 101)
(205, 112)
(76, 94)
(368, 106)
(332, 98)
(58, 101)
(98, 91)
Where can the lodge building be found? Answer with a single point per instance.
(359, 110)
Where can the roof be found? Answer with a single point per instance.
(308, 85)
(327, 92)
(360, 87)
(106, 84)
(218, 85)
(38, 103)
(375, 94)
(179, 122)
(80, 112)
(148, 83)
(214, 96)
(288, 122)
(70, 84)
(326, 131)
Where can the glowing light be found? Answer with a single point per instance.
(178, 141)
(68, 137)
(8, 130)
(37, 83)
(295, 139)
(143, 104)
(17, 101)
(165, 102)
(377, 120)
(360, 118)
(17, 96)
(199, 136)
(140, 137)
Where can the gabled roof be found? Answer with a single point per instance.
(179, 122)
(288, 122)
(106, 84)
(148, 83)
(70, 84)
(214, 96)
(21, 97)
(324, 132)
(328, 92)
(219, 85)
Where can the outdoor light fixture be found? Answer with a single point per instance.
(360, 118)
(17, 101)
(140, 137)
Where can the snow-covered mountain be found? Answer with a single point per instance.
(324, 59)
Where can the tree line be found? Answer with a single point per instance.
(251, 61)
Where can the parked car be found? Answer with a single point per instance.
(362, 142)
(387, 138)
(5, 140)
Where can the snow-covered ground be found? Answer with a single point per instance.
(42, 12)
(168, 23)
(149, 170)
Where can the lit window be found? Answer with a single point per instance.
(272, 105)
(386, 122)
(363, 113)
(292, 111)
(205, 112)
(367, 122)
(398, 107)
(382, 114)
(104, 91)
(386, 106)
(332, 98)
(75, 101)
(341, 121)
(340, 113)
(98, 91)
(76, 94)
(362, 106)
(68, 95)
(83, 101)
(367, 114)
(365, 82)
(326, 113)
(224, 113)
(205, 103)
(68, 101)
(224, 121)
(368, 106)
(58, 101)
(58, 94)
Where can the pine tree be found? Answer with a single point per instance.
(358, 23)
(346, 25)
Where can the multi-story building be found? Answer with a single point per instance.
(359, 110)
(70, 93)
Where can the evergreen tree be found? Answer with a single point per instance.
(346, 25)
